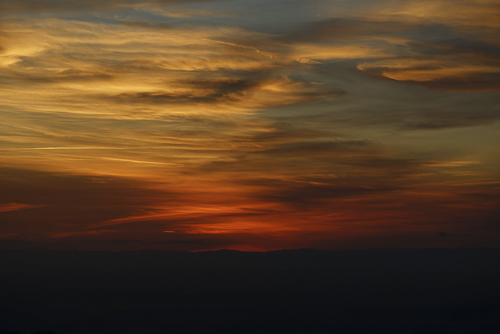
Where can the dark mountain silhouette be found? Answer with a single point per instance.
(289, 291)
(37, 332)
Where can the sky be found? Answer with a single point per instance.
(253, 125)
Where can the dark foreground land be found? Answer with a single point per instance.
(291, 291)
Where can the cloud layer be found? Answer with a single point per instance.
(206, 124)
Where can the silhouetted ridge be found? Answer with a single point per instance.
(389, 291)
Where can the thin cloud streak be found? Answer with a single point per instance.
(16, 206)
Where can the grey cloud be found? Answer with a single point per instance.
(474, 82)
(401, 106)
(76, 5)
(439, 45)
(447, 48)
(275, 156)
(147, 25)
(424, 38)
(386, 162)
(425, 120)
(344, 30)
(371, 162)
(225, 86)
(439, 39)
(304, 194)
(283, 132)
(313, 147)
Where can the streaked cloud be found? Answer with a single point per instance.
(76, 6)
(250, 125)
(6, 207)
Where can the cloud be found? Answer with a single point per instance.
(462, 13)
(448, 74)
(269, 126)
(313, 194)
(290, 156)
(450, 119)
(16, 207)
(312, 148)
(147, 25)
(418, 42)
(242, 94)
(16, 6)
(69, 204)
(348, 30)
(451, 46)
(99, 65)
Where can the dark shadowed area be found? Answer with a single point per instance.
(288, 291)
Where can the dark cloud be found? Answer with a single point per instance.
(147, 25)
(186, 241)
(483, 76)
(360, 153)
(405, 108)
(474, 82)
(199, 91)
(126, 241)
(387, 163)
(424, 47)
(444, 234)
(308, 148)
(451, 60)
(225, 86)
(169, 98)
(208, 91)
(489, 193)
(345, 30)
(439, 39)
(341, 157)
(305, 194)
(442, 119)
(279, 153)
(283, 132)
(71, 200)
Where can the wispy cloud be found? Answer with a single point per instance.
(263, 125)
(6, 207)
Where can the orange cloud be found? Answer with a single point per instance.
(249, 133)
(16, 207)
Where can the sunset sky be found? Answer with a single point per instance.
(249, 124)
